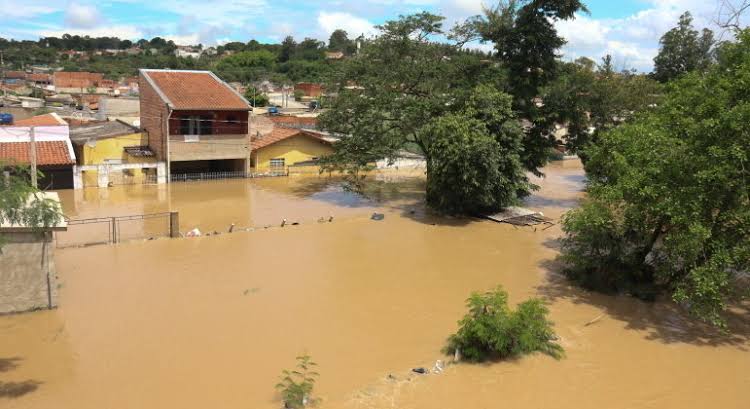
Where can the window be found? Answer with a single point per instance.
(196, 125)
(277, 163)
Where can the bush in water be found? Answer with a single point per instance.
(491, 330)
(296, 386)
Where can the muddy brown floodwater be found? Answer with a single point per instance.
(211, 322)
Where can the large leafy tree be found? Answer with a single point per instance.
(339, 41)
(683, 49)
(406, 91)
(669, 200)
(527, 43)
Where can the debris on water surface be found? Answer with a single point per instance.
(420, 370)
(377, 216)
(193, 233)
(438, 368)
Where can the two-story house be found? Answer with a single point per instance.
(195, 122)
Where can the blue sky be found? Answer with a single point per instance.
(627, 29)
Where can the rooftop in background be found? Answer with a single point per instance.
(100, 130)
(194, 90)
(48, 153)
(41, 120)
(280, 134)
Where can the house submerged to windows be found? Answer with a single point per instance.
(195, 122)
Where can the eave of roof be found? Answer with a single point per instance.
(198, 107)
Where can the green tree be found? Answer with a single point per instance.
(590, 99)
(339, 41)
(256, 98)
(527, 42)
(23, 204)
(668, 209)
(288, 48)
(246, 66)
(417, 103)
(492, 330)
(683, 49)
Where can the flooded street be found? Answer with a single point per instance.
(211, 322)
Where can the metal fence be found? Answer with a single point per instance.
(186, 177)
(109, 230)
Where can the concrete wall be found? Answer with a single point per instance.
(208, 147)
(298, 148)
(26, 262)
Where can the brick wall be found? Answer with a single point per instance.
(153, 115)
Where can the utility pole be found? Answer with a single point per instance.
(32, 156)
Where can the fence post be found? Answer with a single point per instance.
(114, 230)
(174, 224)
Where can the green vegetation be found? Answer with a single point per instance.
(491, 330)
(284, 63)
(683, 50)
(22, 204)
(429, 91)
(592, 99)
(668, 210)
(296, 386)
(256, 98)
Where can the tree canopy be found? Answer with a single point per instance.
(668, 210)
(428, 101)
(683, 49)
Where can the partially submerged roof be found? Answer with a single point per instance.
(194, 90)
(48, 153)
(100, 130)
(280, 134)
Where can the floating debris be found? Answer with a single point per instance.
(377, 216)
(231, 228)
(193, 233)
(438, 368)
(519, 216)
(420, 370)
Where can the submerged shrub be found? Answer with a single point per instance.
(296, 386)
(491, 330)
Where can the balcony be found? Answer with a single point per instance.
(208, 147)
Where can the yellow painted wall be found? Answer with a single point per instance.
(113, 149)
(299, 148)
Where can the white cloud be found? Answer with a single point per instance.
(353, 25)
(28, 8)
(82, 16)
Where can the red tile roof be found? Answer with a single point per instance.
(280, 134)
(47, 153)
(40, 120)
(195, 90)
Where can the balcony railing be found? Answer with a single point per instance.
(208, 147)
